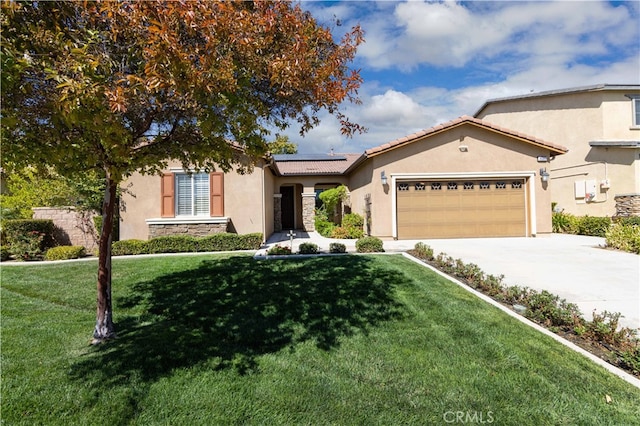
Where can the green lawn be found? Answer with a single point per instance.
(226, 339)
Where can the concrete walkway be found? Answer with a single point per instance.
(576, 268)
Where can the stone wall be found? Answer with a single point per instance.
(193, 229)
(309, 212)
(71, 227)
(277, 212)
(627, 205)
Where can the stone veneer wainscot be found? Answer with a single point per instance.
(196, 227)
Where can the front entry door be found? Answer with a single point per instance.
(288, 214)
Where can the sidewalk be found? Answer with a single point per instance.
(574, 267)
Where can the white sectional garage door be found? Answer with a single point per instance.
(461, 208)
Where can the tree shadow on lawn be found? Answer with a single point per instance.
(228, 311)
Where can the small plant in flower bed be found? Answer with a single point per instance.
(65, 253)
(621, 345)
(337, 248)
(279, 250)
(308, 248)
(4, 253)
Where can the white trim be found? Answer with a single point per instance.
(527, 175)
(186, 220)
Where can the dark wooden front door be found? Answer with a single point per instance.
(288, 221)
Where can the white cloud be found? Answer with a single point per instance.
(504, 48)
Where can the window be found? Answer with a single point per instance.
(452, 186)
(635, 101)
(419, 186)
(192, 194)
(436, 186)
(468, 186)
(403, 187)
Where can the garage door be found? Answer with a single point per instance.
(461, 208)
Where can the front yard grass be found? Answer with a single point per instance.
(225, 339)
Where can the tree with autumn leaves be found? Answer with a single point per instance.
(119, 87)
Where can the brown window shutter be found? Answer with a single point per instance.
(216, 194)
(167, 187)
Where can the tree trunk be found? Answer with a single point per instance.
(104, 317)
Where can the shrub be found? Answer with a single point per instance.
(369, 245)
(173, 244)
(278, 250)
(550, 310)
(324, 228)
(64, 253)
(604, 328)
(594, 226)
(339, 232)
(4, 253)
(337, 248)
(423, 251)
(129, 247)
(627, 220)
(28, 246)
(623, 237)
(564, 223)
(228, 242)
(352, 220)
(308, 248)
(16, 230)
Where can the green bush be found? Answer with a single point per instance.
(29, 246)
(369, 245)
(129, 247)
(564, 223)
(4, 253)
(623, 237)
(173, 244)
(308, 248)
(337, 248)
(64, 253)
(628, 220)
(16, 230)
(278, 250)
(353, 220)
(594, 226)
(228, 242)
(324, 227)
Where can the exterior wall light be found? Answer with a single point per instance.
(383, 178)
(544, 174)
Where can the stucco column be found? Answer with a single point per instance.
(277, 212)
(308, 211)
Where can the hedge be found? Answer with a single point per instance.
(64, 253)
(187, 243)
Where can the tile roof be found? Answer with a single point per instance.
(303, 165)
(558, 149)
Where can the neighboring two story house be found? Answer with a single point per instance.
(600, 126)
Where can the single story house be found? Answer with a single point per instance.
(463, 178)
(600, 125)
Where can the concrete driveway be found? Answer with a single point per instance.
(574, 267)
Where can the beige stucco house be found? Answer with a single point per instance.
(600, 125)
(464, 178)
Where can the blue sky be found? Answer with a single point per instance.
(425, 63)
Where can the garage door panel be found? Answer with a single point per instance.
(462, 208)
